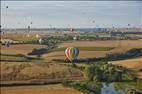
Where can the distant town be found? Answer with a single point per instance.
(136, 30)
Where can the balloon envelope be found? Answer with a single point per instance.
(71, 53)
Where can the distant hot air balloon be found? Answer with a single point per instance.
(28, 28)
(37, 36)
(128, 26)
(71, 53)
(6, 6)
(0, 29)
(93, 21)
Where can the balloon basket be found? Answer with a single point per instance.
(71, 61)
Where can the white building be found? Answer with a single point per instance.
(3, 41)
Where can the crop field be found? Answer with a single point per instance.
(24, 71)
(83, 54)
(91, 49)
(12, 58)
(47, 71)
(20, 48)
(49, 89)
(105, 43)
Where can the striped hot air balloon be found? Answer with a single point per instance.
(72, 53)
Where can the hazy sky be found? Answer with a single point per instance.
(75, 14)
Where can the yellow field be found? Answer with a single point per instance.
(107, 43)
(48, 89)
(135, 65)
(20, 48)
(27, 71)
(83, 54)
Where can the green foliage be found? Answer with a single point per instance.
(106, 72)
(73, 65)
(38, 51)
(128, 86)
(87, 87)
(135, 52)
(89, 71)
(16, 58)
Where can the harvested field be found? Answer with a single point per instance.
(107, 43)
(40, 72)
(20, 48)
(135, 65)
(48, 89)
(83, 54)
(119, 46)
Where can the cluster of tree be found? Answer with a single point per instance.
(106, 72)
(135, 52)
(38, 52)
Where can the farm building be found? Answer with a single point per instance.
(3, 41)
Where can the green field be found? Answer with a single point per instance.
(13, 58)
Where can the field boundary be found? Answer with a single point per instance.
(85, 49)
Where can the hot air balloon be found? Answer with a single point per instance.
(93, 21)
(28, 28)
(0, 29)
(6, 6)
(71, 53)
(128, 26)
(37, 36)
